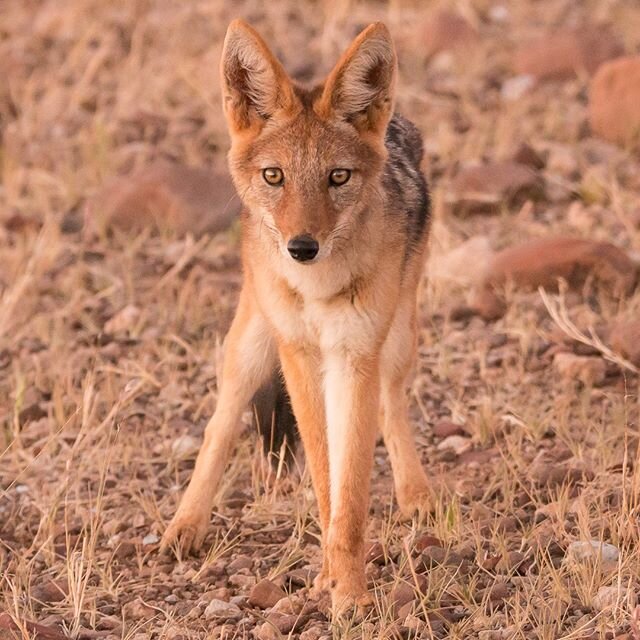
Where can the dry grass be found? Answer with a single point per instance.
(88, 473)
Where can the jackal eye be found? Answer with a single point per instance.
(273, 176)
(338, 177)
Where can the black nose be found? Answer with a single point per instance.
(303, 248)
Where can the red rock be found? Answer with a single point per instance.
(541, 263)
(401, 595)
(425, 541)
(10, 630)
(487, 303)
(167, 196)
(487, 188)
(240, 562)
(50, 591)
(375, 554)
(566, 53)
(446, 428)
(624, 337)
(614, 97)
(445, 30)
(477, 456)
(265, 594)
(511, 561)
(525, 154)
(498, 592)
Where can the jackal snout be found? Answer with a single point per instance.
(303, 248)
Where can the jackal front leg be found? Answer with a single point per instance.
(302, 371)
(351, 399)
(249, 357)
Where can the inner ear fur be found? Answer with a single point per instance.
(255, 86)
(361, 87)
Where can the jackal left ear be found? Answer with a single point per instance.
(361, 87)
(255, 85)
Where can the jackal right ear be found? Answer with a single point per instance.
(255, 86)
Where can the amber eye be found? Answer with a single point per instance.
(273, 176)
(338, 177)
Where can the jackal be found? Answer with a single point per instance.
(334, 234)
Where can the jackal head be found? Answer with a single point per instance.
(307, 163)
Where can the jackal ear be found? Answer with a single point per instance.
(361, 87)
(255, 86)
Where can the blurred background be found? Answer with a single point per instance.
(119, 273)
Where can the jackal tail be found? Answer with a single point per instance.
(273, 416)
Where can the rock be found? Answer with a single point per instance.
(589, 370)
(498, 593)
(239, 563)
(150, 538)
(426, 540)
(375, 553)
(565, 53)
(624, 338)
(9, 630)
(581, 217)
(265, 594)
(125, 549)
(511, 561)
(31, 413)
(493, 634)
(551, 474)
(283, 622)
(299, 577)
(221, 610)
(487, 188)
(50, 591)
(415, 624)
(487, 303)
(446, 428)
(185, 447)
(464, 264)
(609, 598)
(445, 30)
(478, 457)
(525, 154)
(138, 610)
(458, 444)
(242, 581)
(312, 633)
(582, 551)
(167, 196)
(515, 88)
(400, 595)
(266, 631)
(288, 605)
(124, 320)
(562, 160)
(434, 556)
(614, 96)
(541, 263)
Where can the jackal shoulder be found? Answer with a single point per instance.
(404, 184)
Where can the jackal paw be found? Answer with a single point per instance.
(347, 602)
(185, 533)
(416, 499)
(321, 583)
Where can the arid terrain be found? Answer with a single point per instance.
(119, 273)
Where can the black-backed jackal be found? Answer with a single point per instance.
(334, 234)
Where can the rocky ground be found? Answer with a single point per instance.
(119, 273)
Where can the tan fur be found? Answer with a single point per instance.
(344, 326)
